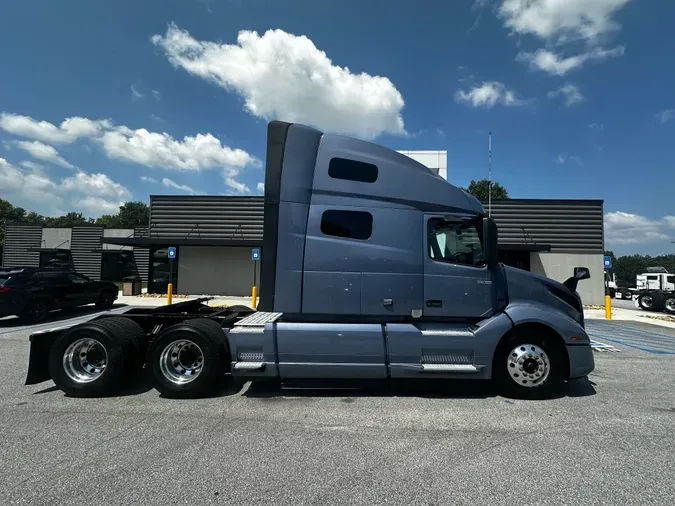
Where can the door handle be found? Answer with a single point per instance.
(434, 303)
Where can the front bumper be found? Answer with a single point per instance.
(582, 360)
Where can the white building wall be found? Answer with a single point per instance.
(56, 238)
(435, 160)
(560, 266)
(118, 233)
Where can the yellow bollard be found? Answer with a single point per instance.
(608, 307)
(254, 296)
(169, 293)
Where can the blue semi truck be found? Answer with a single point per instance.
(373, 268)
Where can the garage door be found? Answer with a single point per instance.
(215, 270)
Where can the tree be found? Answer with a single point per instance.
(9, 213)
(481, 190)
(130, 215)
(71, 219)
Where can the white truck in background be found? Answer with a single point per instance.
(655, 290)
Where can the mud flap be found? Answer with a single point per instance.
(38, 359)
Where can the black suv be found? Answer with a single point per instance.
(31, 293)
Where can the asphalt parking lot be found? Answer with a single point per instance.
(609, 440)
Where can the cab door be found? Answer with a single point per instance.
(457, 281)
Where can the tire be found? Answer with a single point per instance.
(543, 358)
(131, 335)
(35, 311)
(105, 300)
(187, 359)
(669, 305)
(90, 359)
(647, 302)
(612, 293)
(241, 309)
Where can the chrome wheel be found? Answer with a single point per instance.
(528, 365)
(85, 360)
(181, 361)
(646, 302)
(670, 305)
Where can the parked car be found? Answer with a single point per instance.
(31, 292)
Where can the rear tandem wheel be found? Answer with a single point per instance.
(96, 358)
(187, 359)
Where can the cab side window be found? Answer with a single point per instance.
(455, 242)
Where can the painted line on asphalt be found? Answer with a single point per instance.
(618, 341)
(608, 325)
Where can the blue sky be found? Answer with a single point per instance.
(174, 97)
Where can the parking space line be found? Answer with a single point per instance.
(618, 341)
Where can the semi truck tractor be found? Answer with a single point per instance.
(373, 268)
(655, 290)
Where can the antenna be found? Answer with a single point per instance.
(490, 174)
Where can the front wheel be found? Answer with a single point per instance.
(529, 366)
(669, 305)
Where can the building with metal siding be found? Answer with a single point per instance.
(214, 236)
(206, 218)
(79, 248)
(22, 243)
(564, 225)
(86, 250)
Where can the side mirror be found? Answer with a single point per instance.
(490, 237)
(581, 273)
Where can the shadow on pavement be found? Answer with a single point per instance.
(432, 389)
(56, 316)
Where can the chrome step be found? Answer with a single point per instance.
(248, 366)
(447, 332)
(450, 368)
(258, 319)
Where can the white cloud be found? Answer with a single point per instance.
(554, 64)
(286, 77)
(260, 187)
(562, 20)
(96, 205)
(489, 94)
(577, 160)
(43, 152)
(96, 185)
(169, 184)
(135, 94)
(32, 166)
(91, 193)
(152, 149)
(156, 94)
(628, 228)
(596, 127)
(182, 187)
(237, 186)
(570, 93)
(562, 159)
(69, 131)
(665, 115)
